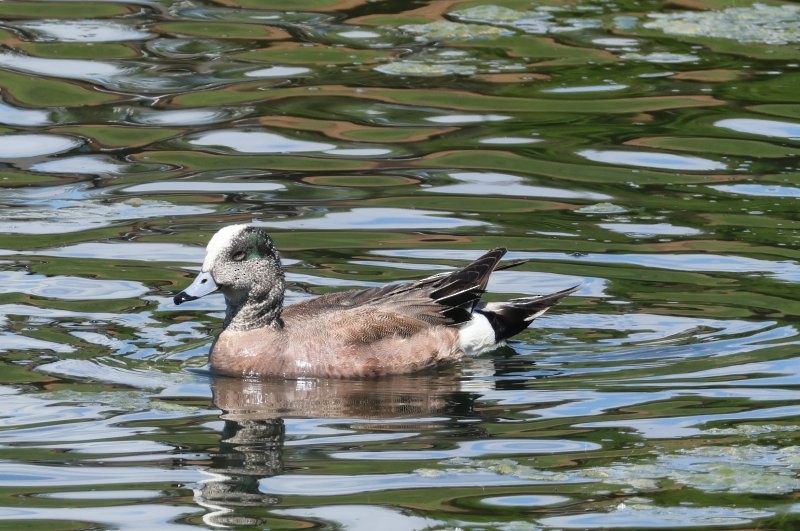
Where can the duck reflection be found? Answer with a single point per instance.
(254, 431)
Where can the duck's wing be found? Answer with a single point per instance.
(444, 298)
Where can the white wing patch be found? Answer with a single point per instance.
(219, 242)
(477, 335)
(535, 315)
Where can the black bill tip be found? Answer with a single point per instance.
(182, 297)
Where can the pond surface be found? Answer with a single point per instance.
(647, 150)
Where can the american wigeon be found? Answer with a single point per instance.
(394, 329)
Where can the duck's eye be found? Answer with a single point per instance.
(238, 256)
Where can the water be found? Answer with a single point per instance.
(645, 150)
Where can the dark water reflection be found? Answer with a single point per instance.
(319, 414)
(648, 152)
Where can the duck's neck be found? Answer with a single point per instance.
(255, 312)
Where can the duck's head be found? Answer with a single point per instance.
(242, 262)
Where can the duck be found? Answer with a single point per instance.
(398, 328)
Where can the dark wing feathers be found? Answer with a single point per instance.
(444, 298)
(463, 288)
(458, 292)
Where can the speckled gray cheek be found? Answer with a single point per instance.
(253, 287)
(234, 276)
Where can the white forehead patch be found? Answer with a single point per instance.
(219, 242)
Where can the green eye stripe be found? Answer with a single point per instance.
(250, 247)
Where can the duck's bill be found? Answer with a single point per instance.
(203, 285)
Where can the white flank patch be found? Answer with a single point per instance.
(220, 242)
(477, 335)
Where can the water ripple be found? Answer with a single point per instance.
(477, 449)
(83, 30)
(337, 485)
(488, 183)
(34, 145)
(363, 517)
(145, 515)
(375, 218)
(257, 142)
(761, 127)
(652, 160)
(69, 288)
(19, 474)
(644, 517)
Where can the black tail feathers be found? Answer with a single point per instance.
(460, 291)
(511, 317)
